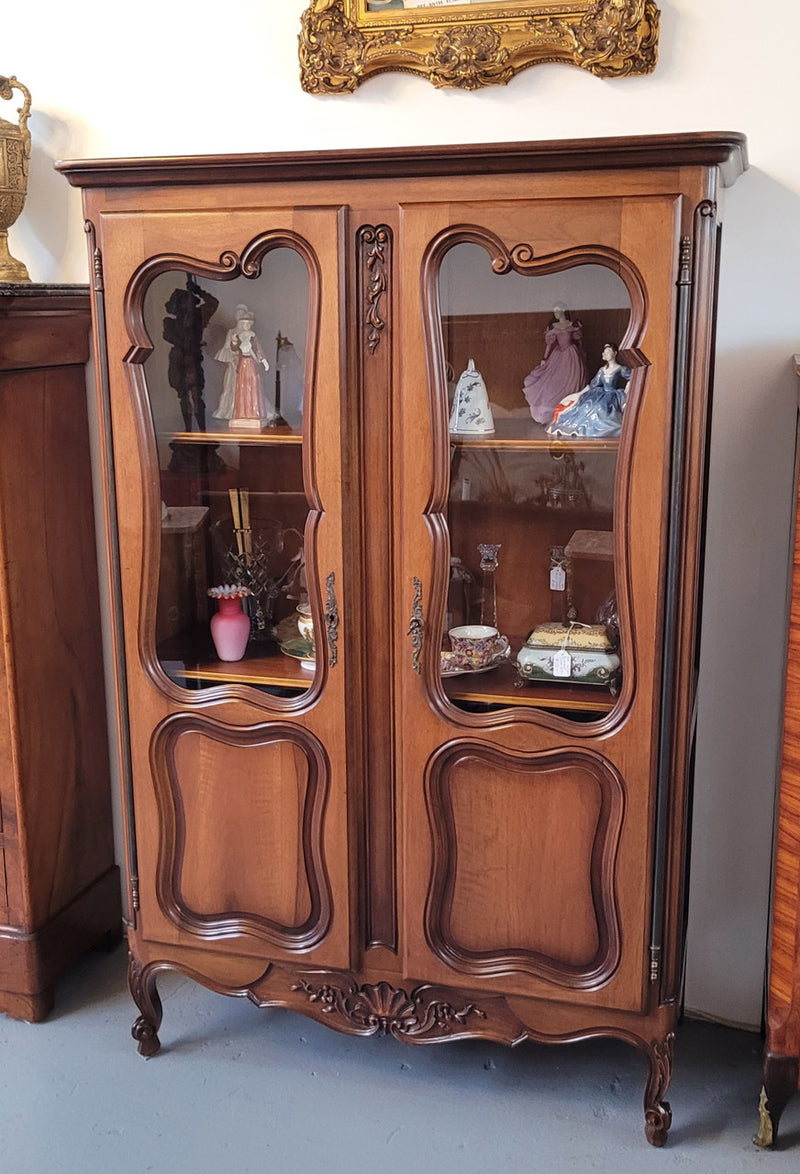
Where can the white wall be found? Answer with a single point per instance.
(174, 78)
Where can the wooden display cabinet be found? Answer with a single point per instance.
(355, 833)
(59, 885)
(782, 1046)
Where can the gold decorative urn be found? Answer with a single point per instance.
(15, 150)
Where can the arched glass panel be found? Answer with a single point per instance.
(537, 394)
(225, 383)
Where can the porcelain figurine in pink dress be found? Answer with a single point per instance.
(244, 402)
(561, 372)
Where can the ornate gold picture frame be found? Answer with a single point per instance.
(471, 43)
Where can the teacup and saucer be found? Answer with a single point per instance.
(473, 648)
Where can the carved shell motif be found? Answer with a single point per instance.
(385, 1010)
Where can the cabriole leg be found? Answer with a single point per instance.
(142, 985)
(657, 1113)
(780, 1083)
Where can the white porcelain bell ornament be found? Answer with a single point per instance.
(471, 413)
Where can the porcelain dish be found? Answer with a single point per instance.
(464, 670)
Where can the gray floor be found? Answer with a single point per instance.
(242, 1090)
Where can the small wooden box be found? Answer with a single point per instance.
(182, 598)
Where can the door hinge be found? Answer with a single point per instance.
(685, 261)
(95, 256)
(655, 963)
(135, 893)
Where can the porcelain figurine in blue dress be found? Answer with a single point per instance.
(597, 409)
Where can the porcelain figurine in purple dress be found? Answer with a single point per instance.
(561, 372)
(597, 409)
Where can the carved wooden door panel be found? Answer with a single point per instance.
(534, 570)
(223, 353)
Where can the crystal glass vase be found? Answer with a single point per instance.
(489, 562)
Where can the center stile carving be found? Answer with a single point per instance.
(375, 248)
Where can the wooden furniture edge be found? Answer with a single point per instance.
(724, 149)
(30, 962)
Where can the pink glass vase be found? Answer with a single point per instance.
(230, 629)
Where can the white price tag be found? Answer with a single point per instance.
(562, 663)
(558, 579)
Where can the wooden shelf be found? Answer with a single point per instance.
(527, 434)
(282, 435)
(190, 656)
(500, 687)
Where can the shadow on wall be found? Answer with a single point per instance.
(748, 547)
(40, 236)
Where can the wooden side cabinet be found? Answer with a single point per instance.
(439, 415)
(59, 886)
(782, 1046)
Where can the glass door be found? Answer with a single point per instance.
(537, 388)
(229, 502)
(539, 358)
(225, 385)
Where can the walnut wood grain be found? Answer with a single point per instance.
(373, 357)
(452, 907)
(61, 887)
(726, 151)
(413, 1013)
(562, 834)
(280, 893)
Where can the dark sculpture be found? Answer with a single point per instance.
(191, 309)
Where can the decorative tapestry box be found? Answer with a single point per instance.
(581, 653)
